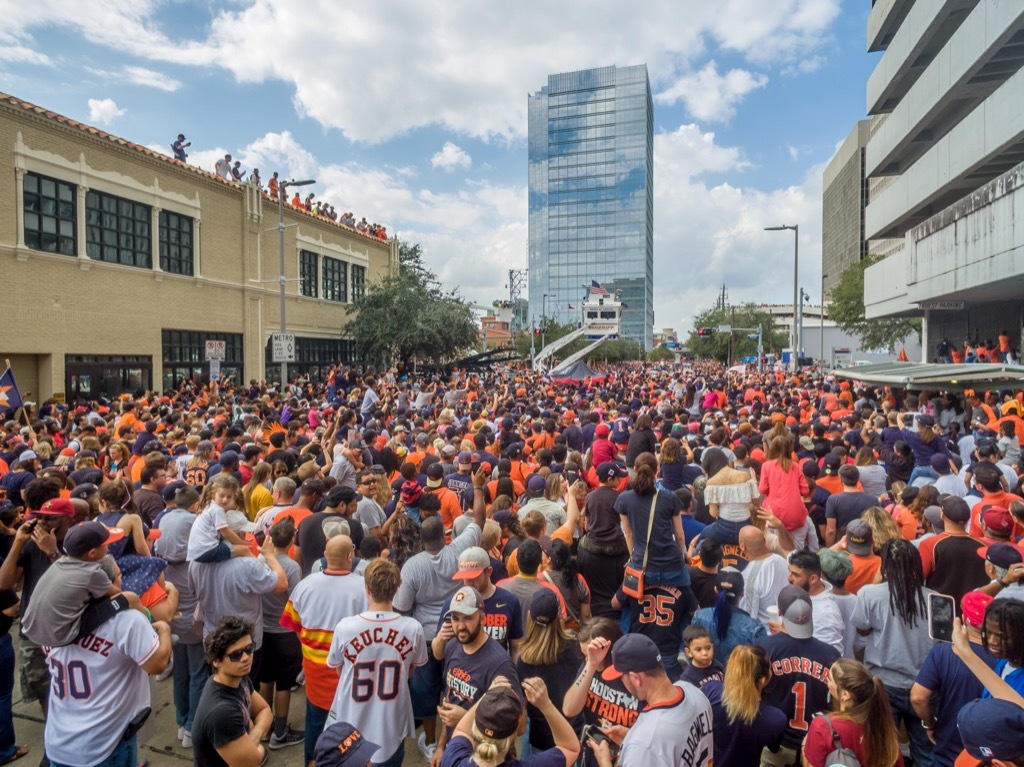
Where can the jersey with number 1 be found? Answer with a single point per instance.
(97, 686)
(375, 653)
(799, 683)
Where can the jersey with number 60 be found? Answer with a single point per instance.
(374, 653)
(97, 686)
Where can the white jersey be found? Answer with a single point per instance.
(674, 733)
(97, 686)
(375, 653)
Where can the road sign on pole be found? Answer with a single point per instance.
(283, 347)
(216, 350)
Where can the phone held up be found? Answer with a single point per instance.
(941, 609)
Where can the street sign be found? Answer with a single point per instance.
(214, 370)
(216, 350)
(942, 305)
(725, 328)
(283, 347)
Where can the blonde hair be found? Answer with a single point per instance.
(491, 535)
(221, 482)
(543, 645)
(883, 526)
(741, 691)
(490, 750)
(261, 473)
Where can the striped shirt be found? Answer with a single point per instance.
(316, 607)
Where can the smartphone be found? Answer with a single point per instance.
(941, 609)
(593, 732)
(571, 477)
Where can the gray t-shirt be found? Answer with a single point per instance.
(427, 580)
(554, 512)
(895, 651)
(54, 616)
(233, 587)
(274, 602)
(172, 545)
(370, 513)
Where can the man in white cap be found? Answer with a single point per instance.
(800, 665)
(503, 617)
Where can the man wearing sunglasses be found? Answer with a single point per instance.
(231, 718)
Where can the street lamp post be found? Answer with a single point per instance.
(800, 326)
(282, 190)
(796, 268)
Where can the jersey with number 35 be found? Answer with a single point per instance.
(97, 686)
(374, 653)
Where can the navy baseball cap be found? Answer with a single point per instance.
(632, 652)
(609, 469)
(342, 745)
(992, 729)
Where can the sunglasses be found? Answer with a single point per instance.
(236, 655)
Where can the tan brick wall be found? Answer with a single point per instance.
(56, 305)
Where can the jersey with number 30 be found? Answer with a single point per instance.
(374, 653)
(97, 686)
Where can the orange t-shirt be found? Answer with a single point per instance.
(864, 571)
(993, 499)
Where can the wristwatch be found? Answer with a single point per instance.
(55, 555)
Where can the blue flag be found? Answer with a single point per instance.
(10, 397)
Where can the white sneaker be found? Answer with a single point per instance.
(186, 740)
(181, 731)
(166, 672)
(427, 751)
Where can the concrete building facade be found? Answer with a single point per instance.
(591, 195)
(943, 162)
(844, 198)
(121, 263)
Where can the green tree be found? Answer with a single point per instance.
(661, 354)
(409, 315)
(716, 346)
(847, 311)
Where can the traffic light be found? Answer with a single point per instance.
(704, 332)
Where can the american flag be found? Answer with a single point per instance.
(597, 287)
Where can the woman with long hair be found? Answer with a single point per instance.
(256, 492)
(743, 723)
(861, 717)
(731, 495)
(872, 475)
(661, 553)
(784, 487)
(549, 652)
(728, 624)
(883, 527)
(892, 615)
(404, 538)
(564, 574)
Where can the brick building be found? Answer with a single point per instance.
(118, 263)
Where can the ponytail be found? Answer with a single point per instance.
(646, 470)
(722, 613)
(870, 710)
(741, 689)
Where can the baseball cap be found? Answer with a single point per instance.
(807, 443)
(836, 565)
(602, 430)
(171, 489)
(940, 463)
(1002, 555)
(992, 729)
(502, 516)
(811, 469)
(632, 652)
(609, 469)
(228, 458)
(730, 580)
(28, 455)
(83, 490)
(544, 607)
(497, 715)
(933, 515)
(465, 458)
(955, 509)
(435, 475)
(448, 450)
(536, 482)
(795, 608)
(472, 562)
(238, 522)
(86, 536)
(60, 507)
(342, 745)
(465, 601)
(925, 420)
(515, 450)
(998, 520)
(832, 463)
(859, 538)
(973, 606)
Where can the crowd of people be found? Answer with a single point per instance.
(231, 170)
(669, 566)
(977, 350)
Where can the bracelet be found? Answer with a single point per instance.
(925, 726)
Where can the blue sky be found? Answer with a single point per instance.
(413, 113)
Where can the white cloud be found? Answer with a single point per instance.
(451, 157)
(710, 96)
(151, 79)
(461, 65)
(104, 111)
(21, 54)
(794, 153)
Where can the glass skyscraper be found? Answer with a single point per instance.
(591, 176)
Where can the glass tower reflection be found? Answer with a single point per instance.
(591, 198)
